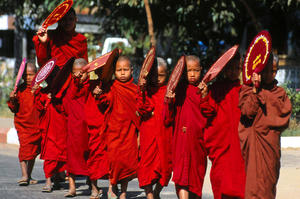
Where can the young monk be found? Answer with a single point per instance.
(155, 167)
(265, 113)
(26, 121)
(54, 144)
(97, 162)
(77, 137)
(62, 43)
(188, 154)
(227, 174)
(120, 127)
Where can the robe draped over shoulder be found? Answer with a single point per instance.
(263, 117)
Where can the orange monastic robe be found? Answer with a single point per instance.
(26, 123)
(155, 140)
(61, 45)
(120, 127)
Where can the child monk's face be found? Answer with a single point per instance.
(29, 75)
(68, 22)
(76, 70)
(123, 71)
(193, 72)
(233, 70)
(162, 75)
(267, 76)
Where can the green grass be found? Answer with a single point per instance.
(290, 132)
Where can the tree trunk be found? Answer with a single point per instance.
(253, 18)
(150, 23)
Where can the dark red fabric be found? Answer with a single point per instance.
(97, 161)
(264, 116)
(61, 45)
(188, 152)
(155, 163)
(221, 139)
(52, 167)
(55, 143)
(26, 122)
(42, 101)
(120, 127)
(77, 136)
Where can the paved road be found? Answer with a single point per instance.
(288, 186)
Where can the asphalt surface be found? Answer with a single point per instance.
(288, 186)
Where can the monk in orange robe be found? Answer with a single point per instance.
(155, 165)
(265, 113)
(120, 127)
(26, 122)
(220, 106)
(188, 150)
(62, 43)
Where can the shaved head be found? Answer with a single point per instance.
(192, 58)
(124, 58)
(80, 62)
(31, 66)
(162, 63)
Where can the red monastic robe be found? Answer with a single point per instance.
(263, 117)
(120, 127)
(155, 163)
(227, 175)
(77, 136)
(188, 153)
(61, 45)
(97, 161)
(54, 148)
(26, 123)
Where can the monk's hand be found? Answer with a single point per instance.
(203, 89)
(142, 83)
(34, 88)
(83, 76)
(49, 95)
(12, 95)
(256, 79)
(42, 34)
(170, 95)
(97, 91)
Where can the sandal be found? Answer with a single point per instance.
(32, 181)
(96, 195)
(23, 182)
(47, 189)
(70, 195)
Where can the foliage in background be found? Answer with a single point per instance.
(295, 99)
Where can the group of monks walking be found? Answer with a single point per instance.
(117, 130)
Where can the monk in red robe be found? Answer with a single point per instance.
(227, 174)
(54, 128)
(77, 137)
(265, 113)
(62, 43)
(188, 153)
(26, 122)
(120, 127)
(97, 163)
(155, 165)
